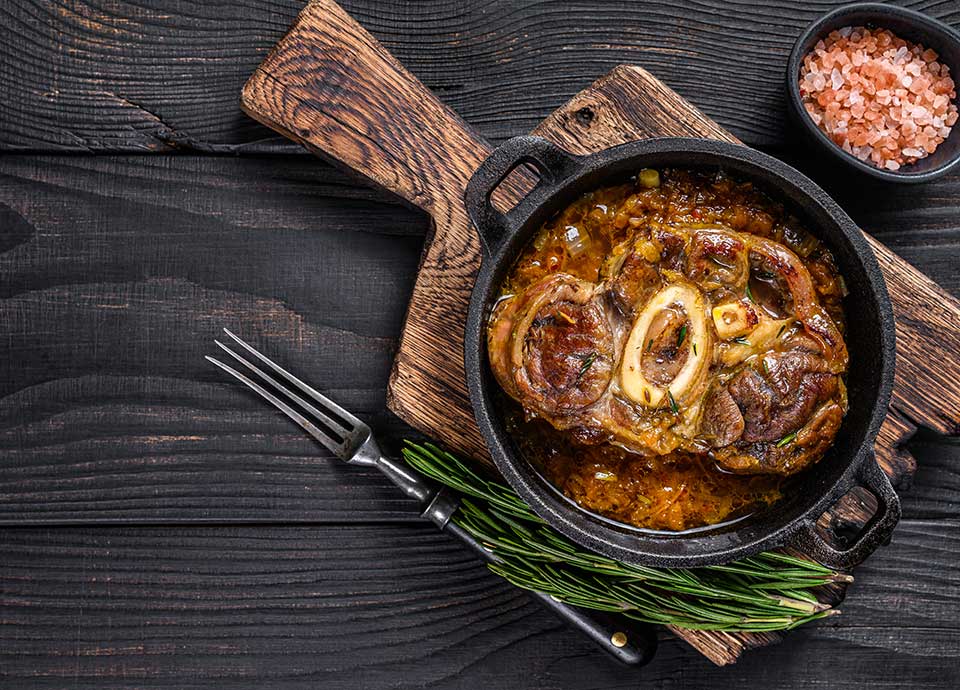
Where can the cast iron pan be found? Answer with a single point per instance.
(870, 339)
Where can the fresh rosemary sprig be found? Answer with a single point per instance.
(770, 591)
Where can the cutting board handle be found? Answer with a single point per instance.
(333, 87)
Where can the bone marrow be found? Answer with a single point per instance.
(637, 372)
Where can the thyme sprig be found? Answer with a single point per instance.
(770, 591)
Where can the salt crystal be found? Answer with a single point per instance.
(879, 97)
(836, 79)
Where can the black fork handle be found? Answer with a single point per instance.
(630, 642)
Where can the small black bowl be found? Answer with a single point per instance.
(907, 24)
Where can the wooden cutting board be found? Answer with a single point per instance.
(331, 86)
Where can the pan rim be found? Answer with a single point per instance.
(706, 547)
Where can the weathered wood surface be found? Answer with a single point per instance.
(115, 276)
(121, 75)
(108, 230)
(405, 607)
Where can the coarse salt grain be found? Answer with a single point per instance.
(879, 97)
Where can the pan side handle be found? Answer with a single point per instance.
(876, 532)
(334, 88)
(553, 165)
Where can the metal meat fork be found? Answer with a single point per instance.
(350, 439)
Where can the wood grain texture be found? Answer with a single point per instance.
(115, 276)
(334, 88)
(327, 84)
(371, 606)
(122, 75)
(81, 235)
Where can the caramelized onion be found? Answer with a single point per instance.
(576, 240)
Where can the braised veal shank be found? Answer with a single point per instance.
(686, 334)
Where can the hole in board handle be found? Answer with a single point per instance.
(847, 519)
(514, 187)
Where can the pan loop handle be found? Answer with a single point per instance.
(553, 165)
(876, 532)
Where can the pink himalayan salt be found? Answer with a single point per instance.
(879, 97)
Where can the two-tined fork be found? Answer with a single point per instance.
(344, 435)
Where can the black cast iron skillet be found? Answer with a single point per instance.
(870, 339)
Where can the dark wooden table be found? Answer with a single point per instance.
(162, 528)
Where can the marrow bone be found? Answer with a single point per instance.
(691, 375)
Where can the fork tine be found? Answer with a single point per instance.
(306, 424)
(331, 406)
(333, 424)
